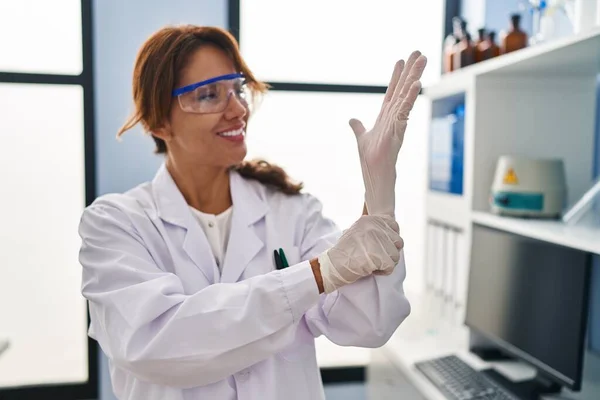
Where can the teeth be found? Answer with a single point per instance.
(237, 132)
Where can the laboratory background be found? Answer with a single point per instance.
(497, 191)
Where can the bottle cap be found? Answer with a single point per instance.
(481, 32)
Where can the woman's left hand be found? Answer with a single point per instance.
(378, 148)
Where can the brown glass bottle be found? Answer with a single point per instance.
(465, 52)
(480, 45)
(515, 39)
(450, 44)
(494, 49)
(489, 48)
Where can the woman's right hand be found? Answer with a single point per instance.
(371, 245)
(378, 148)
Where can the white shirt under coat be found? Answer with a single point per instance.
(175, 326)
(216, 228)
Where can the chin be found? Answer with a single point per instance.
(238, 157)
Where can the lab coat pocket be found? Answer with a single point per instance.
(302, 347)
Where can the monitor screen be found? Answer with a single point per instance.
(530, 298)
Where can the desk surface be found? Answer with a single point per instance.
(424, 336)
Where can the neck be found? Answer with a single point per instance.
(206, 188)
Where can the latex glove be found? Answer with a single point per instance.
(372, 244)
(378, 148)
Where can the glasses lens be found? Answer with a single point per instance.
(214, 97)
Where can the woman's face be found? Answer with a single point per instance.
(214, 139)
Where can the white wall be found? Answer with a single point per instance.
(120, 27)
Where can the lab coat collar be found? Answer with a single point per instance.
(249, 207)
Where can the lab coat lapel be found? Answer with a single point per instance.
(173, 208)
(244, 244)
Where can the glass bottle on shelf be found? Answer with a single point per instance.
(515, 39)
(480, 45)
(450, 44)
(465, 52)
(494, 49)
(489, 49)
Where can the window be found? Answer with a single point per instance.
(47, 177)
(336, 41)
(41, 37)
(46, 322)
(307, 133)
(328, 62)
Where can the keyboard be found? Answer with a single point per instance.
(459, 381)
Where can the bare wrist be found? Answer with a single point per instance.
(316, 268)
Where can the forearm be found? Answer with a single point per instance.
(364, 313)
(160, 346)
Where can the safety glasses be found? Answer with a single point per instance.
(213, 95)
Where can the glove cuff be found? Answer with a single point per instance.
(326, 272)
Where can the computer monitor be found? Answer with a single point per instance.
(530, 300)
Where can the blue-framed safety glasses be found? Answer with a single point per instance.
(213, 95)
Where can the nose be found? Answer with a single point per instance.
(236, 108)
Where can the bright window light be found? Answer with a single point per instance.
(338, 41)
(307, 133)
(42, 312)
(41, 36)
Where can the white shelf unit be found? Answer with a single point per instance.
(537, 102)
(580, 237)
(448, 209)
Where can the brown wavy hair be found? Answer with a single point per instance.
(158, 64)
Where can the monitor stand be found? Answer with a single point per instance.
(527, 390)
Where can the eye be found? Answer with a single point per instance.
(206, 96)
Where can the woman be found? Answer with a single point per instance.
(184, 295)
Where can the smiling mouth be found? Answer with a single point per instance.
(236, 135)
(232, 133)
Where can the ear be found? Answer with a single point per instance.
(164, 132)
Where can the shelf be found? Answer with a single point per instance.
(447, 208)
(586, 238)
(573, 55)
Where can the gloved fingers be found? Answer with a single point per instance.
(389, 93)
(357, 127)
(390, 222)
(398, 69)
(399, 244)
(405, 73)
(414, 74)
(388, 236)
(392, 252)
(408, 102)
(384, 272)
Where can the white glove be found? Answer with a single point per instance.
(371, 245)
(378, 148)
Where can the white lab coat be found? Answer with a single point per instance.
(175, 328)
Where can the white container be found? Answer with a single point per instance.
(528, 187)
(583, 14)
